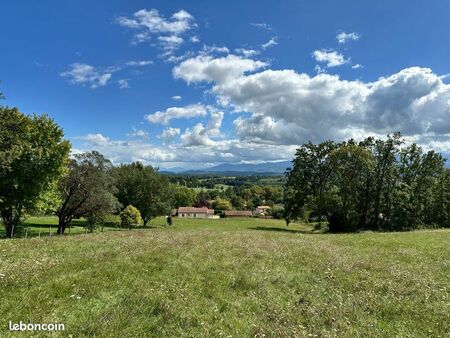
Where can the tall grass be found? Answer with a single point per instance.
(229, 277)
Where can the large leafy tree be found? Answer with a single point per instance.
(309, 180)
(143, 187)
(33, 154)
(374, 184)
(87, 188)
(183, 196)
(352, 165)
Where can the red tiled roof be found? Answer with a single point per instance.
(191, 210)
(238, 213)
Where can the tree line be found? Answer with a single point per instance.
(39, 175)
(374, 184)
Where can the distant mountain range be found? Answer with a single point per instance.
(263, 169)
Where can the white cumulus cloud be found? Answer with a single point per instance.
(330, 57)
(168, 31)
(163, 117)
(81, 73)
(290, 108)
(207, 68)
(169, 134)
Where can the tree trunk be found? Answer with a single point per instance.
(62, 225)
(10, 230)
(8, 220)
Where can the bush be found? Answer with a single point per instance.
(102, 219)
(130, 217)
(111, 220)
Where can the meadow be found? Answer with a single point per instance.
(229, 278)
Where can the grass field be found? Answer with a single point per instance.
(229, 278)
(47, 226)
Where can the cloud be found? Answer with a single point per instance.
(330, 57)
(270, 43)
(153, 22)
(206, 68)
(214, 124)
(207, 50)
(81, 73)
(170, 42)
(357, 66)
(247, 52)
(290, 108)
(123, 83)
(197, 136)
(185, 154)
(95, 139)
(138, 133)
(146, 23)
(139, 63)
(201, 135)
(163, 117)
(261, 25)
(176, 97)
(264, 129)
(343, 37)
(169, 134)
(119, 151)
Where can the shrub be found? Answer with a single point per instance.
(130, 217)
(102, 219)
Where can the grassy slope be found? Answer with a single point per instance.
(230, 278)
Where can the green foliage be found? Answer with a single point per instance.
(143, 187)
(49, 200)
(277, 212)
(183, 196)
(222, 204)
(373, 184)
(101, 219)
(87, 189)
(33, 155)
(309, 180)
(130, 217)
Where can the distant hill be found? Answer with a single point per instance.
(226, 169)
(268, 167)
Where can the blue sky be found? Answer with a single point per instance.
(196, 83)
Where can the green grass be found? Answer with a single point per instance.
(230, 277)
(47, 226)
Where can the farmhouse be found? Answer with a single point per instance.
(261, 210)
(190, 212)
(237, 213)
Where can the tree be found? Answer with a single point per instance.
(143, 187)
(351, 164)
(33, 154)
(384, 177)
(417, 175)
(373, 184)
(130, 217)
(222, 204)
(309, 177)
(183, 196)
(87, 188)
